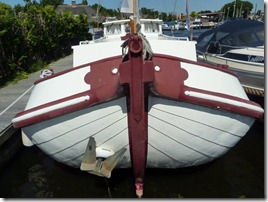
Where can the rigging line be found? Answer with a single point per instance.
(82, 126)
(16, 100)
(207, 155)
(59, 151)
(174, 7)
(165, 8)
(201, 123)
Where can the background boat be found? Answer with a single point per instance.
(240, 45)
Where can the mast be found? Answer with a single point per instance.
(133, 22)
(189, 28)
(130, 6)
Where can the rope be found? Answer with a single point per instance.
(147, 50)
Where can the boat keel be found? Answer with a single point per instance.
(135, 76)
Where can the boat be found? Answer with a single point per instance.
(197, 24)
(240, 45)
(180, 25)
(136, 100)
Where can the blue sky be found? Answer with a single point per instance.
(162, 5)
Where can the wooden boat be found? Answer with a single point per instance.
(240, 45)
(137, 101)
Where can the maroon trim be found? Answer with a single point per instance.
(221, 105)
(223, 68)
(175, 88)
(55, 113)
(104, 86)
(115, 58)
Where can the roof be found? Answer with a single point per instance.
(238, 25)
(81, 9)
(214, 13)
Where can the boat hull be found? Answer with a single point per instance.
(192, 118)
(196, 112)
(249, 74)
(179, 134)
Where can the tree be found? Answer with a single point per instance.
(206, 11)
(237, 8)
(36, 35)
(194, 14)
(51, 2)
(12, 47)
(84, 2)
(258, 13)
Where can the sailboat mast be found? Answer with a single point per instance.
(134, 21)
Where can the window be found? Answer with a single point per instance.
(151, 28)
(246, 37)
(229, 40)
(260, 34)
(114, 29)
(204, 40)
(220, 35)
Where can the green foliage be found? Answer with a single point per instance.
(237, 7)
(34, 35)
(107, 12)
(54, 3)
(194, 14)
(84, 2)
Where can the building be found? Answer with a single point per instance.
(77, 9)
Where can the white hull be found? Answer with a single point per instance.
(249, 73)
(250, 69)
(179, 135)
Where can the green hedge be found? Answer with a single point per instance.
(34, 35)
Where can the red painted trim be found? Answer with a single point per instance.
(175, 88)
(94, 99)
(109, 88)
(219, 105)
(78, 67)
(222, 68)
(104, 86)
(51, 114)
